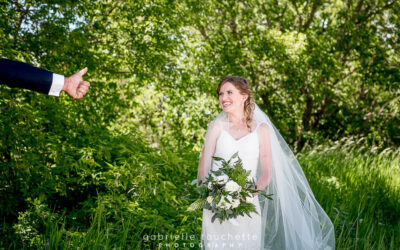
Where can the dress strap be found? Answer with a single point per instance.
(258, 124)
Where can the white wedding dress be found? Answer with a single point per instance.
(292, 220)
(243, 232)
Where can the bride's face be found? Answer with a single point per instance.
(230, 98)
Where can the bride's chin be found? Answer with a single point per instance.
(226, 109)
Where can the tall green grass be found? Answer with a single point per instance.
(357, 185)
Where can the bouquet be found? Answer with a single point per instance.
(227, 192)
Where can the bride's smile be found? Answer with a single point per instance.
(230, 99)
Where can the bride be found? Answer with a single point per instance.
(293, 219)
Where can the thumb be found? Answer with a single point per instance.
(83, 71)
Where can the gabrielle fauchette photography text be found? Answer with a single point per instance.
(186, 240)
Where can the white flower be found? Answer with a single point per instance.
(222, 179)
(249, 199)
(210, 186)
(223, 204)
(232, 186)
(235, 203)
(232, 164)
(210, 199)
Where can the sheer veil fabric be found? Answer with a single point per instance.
(293, 219)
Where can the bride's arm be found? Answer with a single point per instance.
(212, 134)
(265, 157)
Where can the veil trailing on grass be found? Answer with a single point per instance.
(293, 219)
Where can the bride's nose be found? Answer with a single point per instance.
(224, 98)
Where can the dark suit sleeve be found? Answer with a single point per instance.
(22, 75)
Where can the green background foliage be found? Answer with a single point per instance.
(116, 165)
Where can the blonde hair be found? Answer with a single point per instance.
(243, 86)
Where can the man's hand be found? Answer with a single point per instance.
(75, 86)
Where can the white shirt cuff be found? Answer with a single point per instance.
(56, 85)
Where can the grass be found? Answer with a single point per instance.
(358, 186)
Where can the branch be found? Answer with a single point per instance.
(233, 26)
(112, 8)
(282, 16)
(313, 10)
(387, 103)
(298, 14)
(379, 10)
(121, 72)
(359, 5)
(21, 18)
(203, 33)
(320, 111)
(107, 13)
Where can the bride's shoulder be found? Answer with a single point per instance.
(263, 128)
(215, 126)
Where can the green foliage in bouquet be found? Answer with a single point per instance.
(236, 171)
(228, 191)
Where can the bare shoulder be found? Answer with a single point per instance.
(214, 127)
(263, 129)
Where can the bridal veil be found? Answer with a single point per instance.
(293, 219)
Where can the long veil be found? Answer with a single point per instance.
(293, 219)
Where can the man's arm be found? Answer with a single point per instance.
(22, 75)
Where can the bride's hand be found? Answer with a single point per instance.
(202, 179)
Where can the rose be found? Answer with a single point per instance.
(232, 186)
(221, 179)
(249, 199)
(210, 199)
(235, 203)
(223, 204)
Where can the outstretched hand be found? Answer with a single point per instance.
(75, 86)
